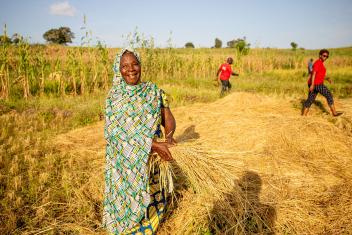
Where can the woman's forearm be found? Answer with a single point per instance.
(169, 122)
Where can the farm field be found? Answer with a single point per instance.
(296, 186)
(297, 169)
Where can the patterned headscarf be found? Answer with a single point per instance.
(116, 66)
(132, 116)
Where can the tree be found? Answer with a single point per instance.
(294, 46)
(240, 44)
(61, 35)
(16, 38)
(218, 43)
(189, 45)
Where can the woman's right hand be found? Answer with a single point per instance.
(311, 88)
(162, 149)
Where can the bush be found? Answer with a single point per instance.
(240, 44)
(294, 46)
(189, 45)
(218, 43)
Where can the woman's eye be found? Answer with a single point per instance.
(125, 67)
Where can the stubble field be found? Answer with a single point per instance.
(52, 146)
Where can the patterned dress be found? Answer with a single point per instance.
(133, 202)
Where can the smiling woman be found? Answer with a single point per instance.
(135, 111)
(130, 68)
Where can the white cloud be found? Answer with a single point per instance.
(63, 9)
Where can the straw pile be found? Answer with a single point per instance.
(244, 164)
(254, 165)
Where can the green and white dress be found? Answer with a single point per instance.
(133, 202)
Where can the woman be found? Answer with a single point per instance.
(316, 84)
(135, 110)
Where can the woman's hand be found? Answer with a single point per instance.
(162, 148)
(311, 88)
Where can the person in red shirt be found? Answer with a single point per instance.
(316, 84)
(224, 73)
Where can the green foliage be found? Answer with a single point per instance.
(5, 40)
(294, 45)
(240, 44)
(189, 45)
(16, 38)
(136, 39)
(218, 43)
(32, 71)
(61, 35)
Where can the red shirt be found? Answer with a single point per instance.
(226, 71)
(320, 72)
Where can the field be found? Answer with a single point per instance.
(52, 149)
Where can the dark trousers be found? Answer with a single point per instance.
(322, 89)
(225, 86)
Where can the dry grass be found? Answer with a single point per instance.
(244, 164)
(296, 169)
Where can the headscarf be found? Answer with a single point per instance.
(116, 66)
(132, 117)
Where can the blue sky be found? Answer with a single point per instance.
(265, 23)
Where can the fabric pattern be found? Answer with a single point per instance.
(133, 117)
(322, 89)
(155, 211)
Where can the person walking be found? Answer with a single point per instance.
(310, 66)
(224, 73)
(316, 84)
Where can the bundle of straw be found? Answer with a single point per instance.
(218, 201)
(165, 172)
(203, 171)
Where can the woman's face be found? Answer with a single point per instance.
(130, 69)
